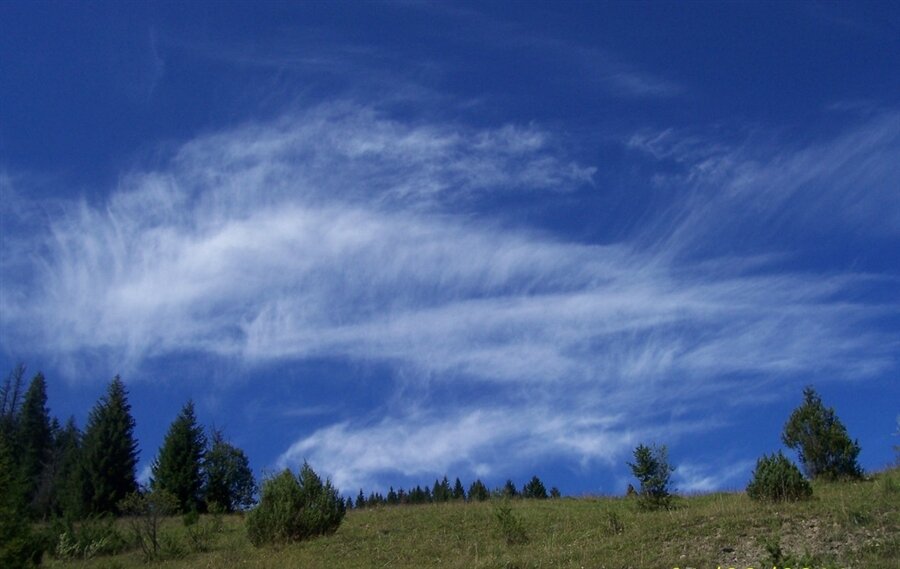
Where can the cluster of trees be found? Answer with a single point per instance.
(442, 491)
(62, 471)
(824, 447)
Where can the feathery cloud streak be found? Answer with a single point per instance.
(336, 232)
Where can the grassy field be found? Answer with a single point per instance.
(852, 525)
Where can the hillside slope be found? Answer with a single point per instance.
(850, 525)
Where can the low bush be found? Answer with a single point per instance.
(295, 508)
(146, 512)
(509, 525)
(778, 479)
(88, 539)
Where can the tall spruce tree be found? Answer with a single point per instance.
(62, 476)
(110, 452)
(179, 467)
(35, 440)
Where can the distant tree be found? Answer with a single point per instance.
(179, 467)
(361, 500)
(459, 493)
(508, 490)
(821, 440)
(35, 439)
(229, 479)
(110, 452)
(651, 468)
(478, 492)
(554, 493)
(392, 498)
(534, 489)
(442, 491)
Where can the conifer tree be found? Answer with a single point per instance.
(64, 473)
(651, 468)
(459, 493)
(534, 489)
(34, 437)
(478, 491)
(110, 452)
(178, 468)
(821, 440)
(509, 490)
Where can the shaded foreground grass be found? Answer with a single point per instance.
(852, 525)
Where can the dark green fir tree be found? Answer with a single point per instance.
(35, 439)
(179, 467)
(110, 452)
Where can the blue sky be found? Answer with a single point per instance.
(404, 240)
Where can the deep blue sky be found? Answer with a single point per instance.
(406, 240)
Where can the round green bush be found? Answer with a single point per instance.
(778, 479)
(295, 508)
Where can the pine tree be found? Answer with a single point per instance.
(229, 479)
(459, 493)
(821, 440)
(64, 473)
(179, 467)
(534, 489)
(110, 452)
(35, 440)
(651, 468)
(478, 491)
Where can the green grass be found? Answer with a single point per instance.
(852, 525)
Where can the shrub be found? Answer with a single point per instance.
(509, 525)
(295, 508)
(651, 468)
(146, 513)
(778, 479)
(614, 523)
(90, 538)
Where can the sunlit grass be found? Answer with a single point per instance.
(853, 525)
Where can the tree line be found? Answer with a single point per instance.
(441, 491)
(55, 470)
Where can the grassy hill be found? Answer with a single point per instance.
(852, 525)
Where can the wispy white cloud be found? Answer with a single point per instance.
(337, 232)
(689, 477)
